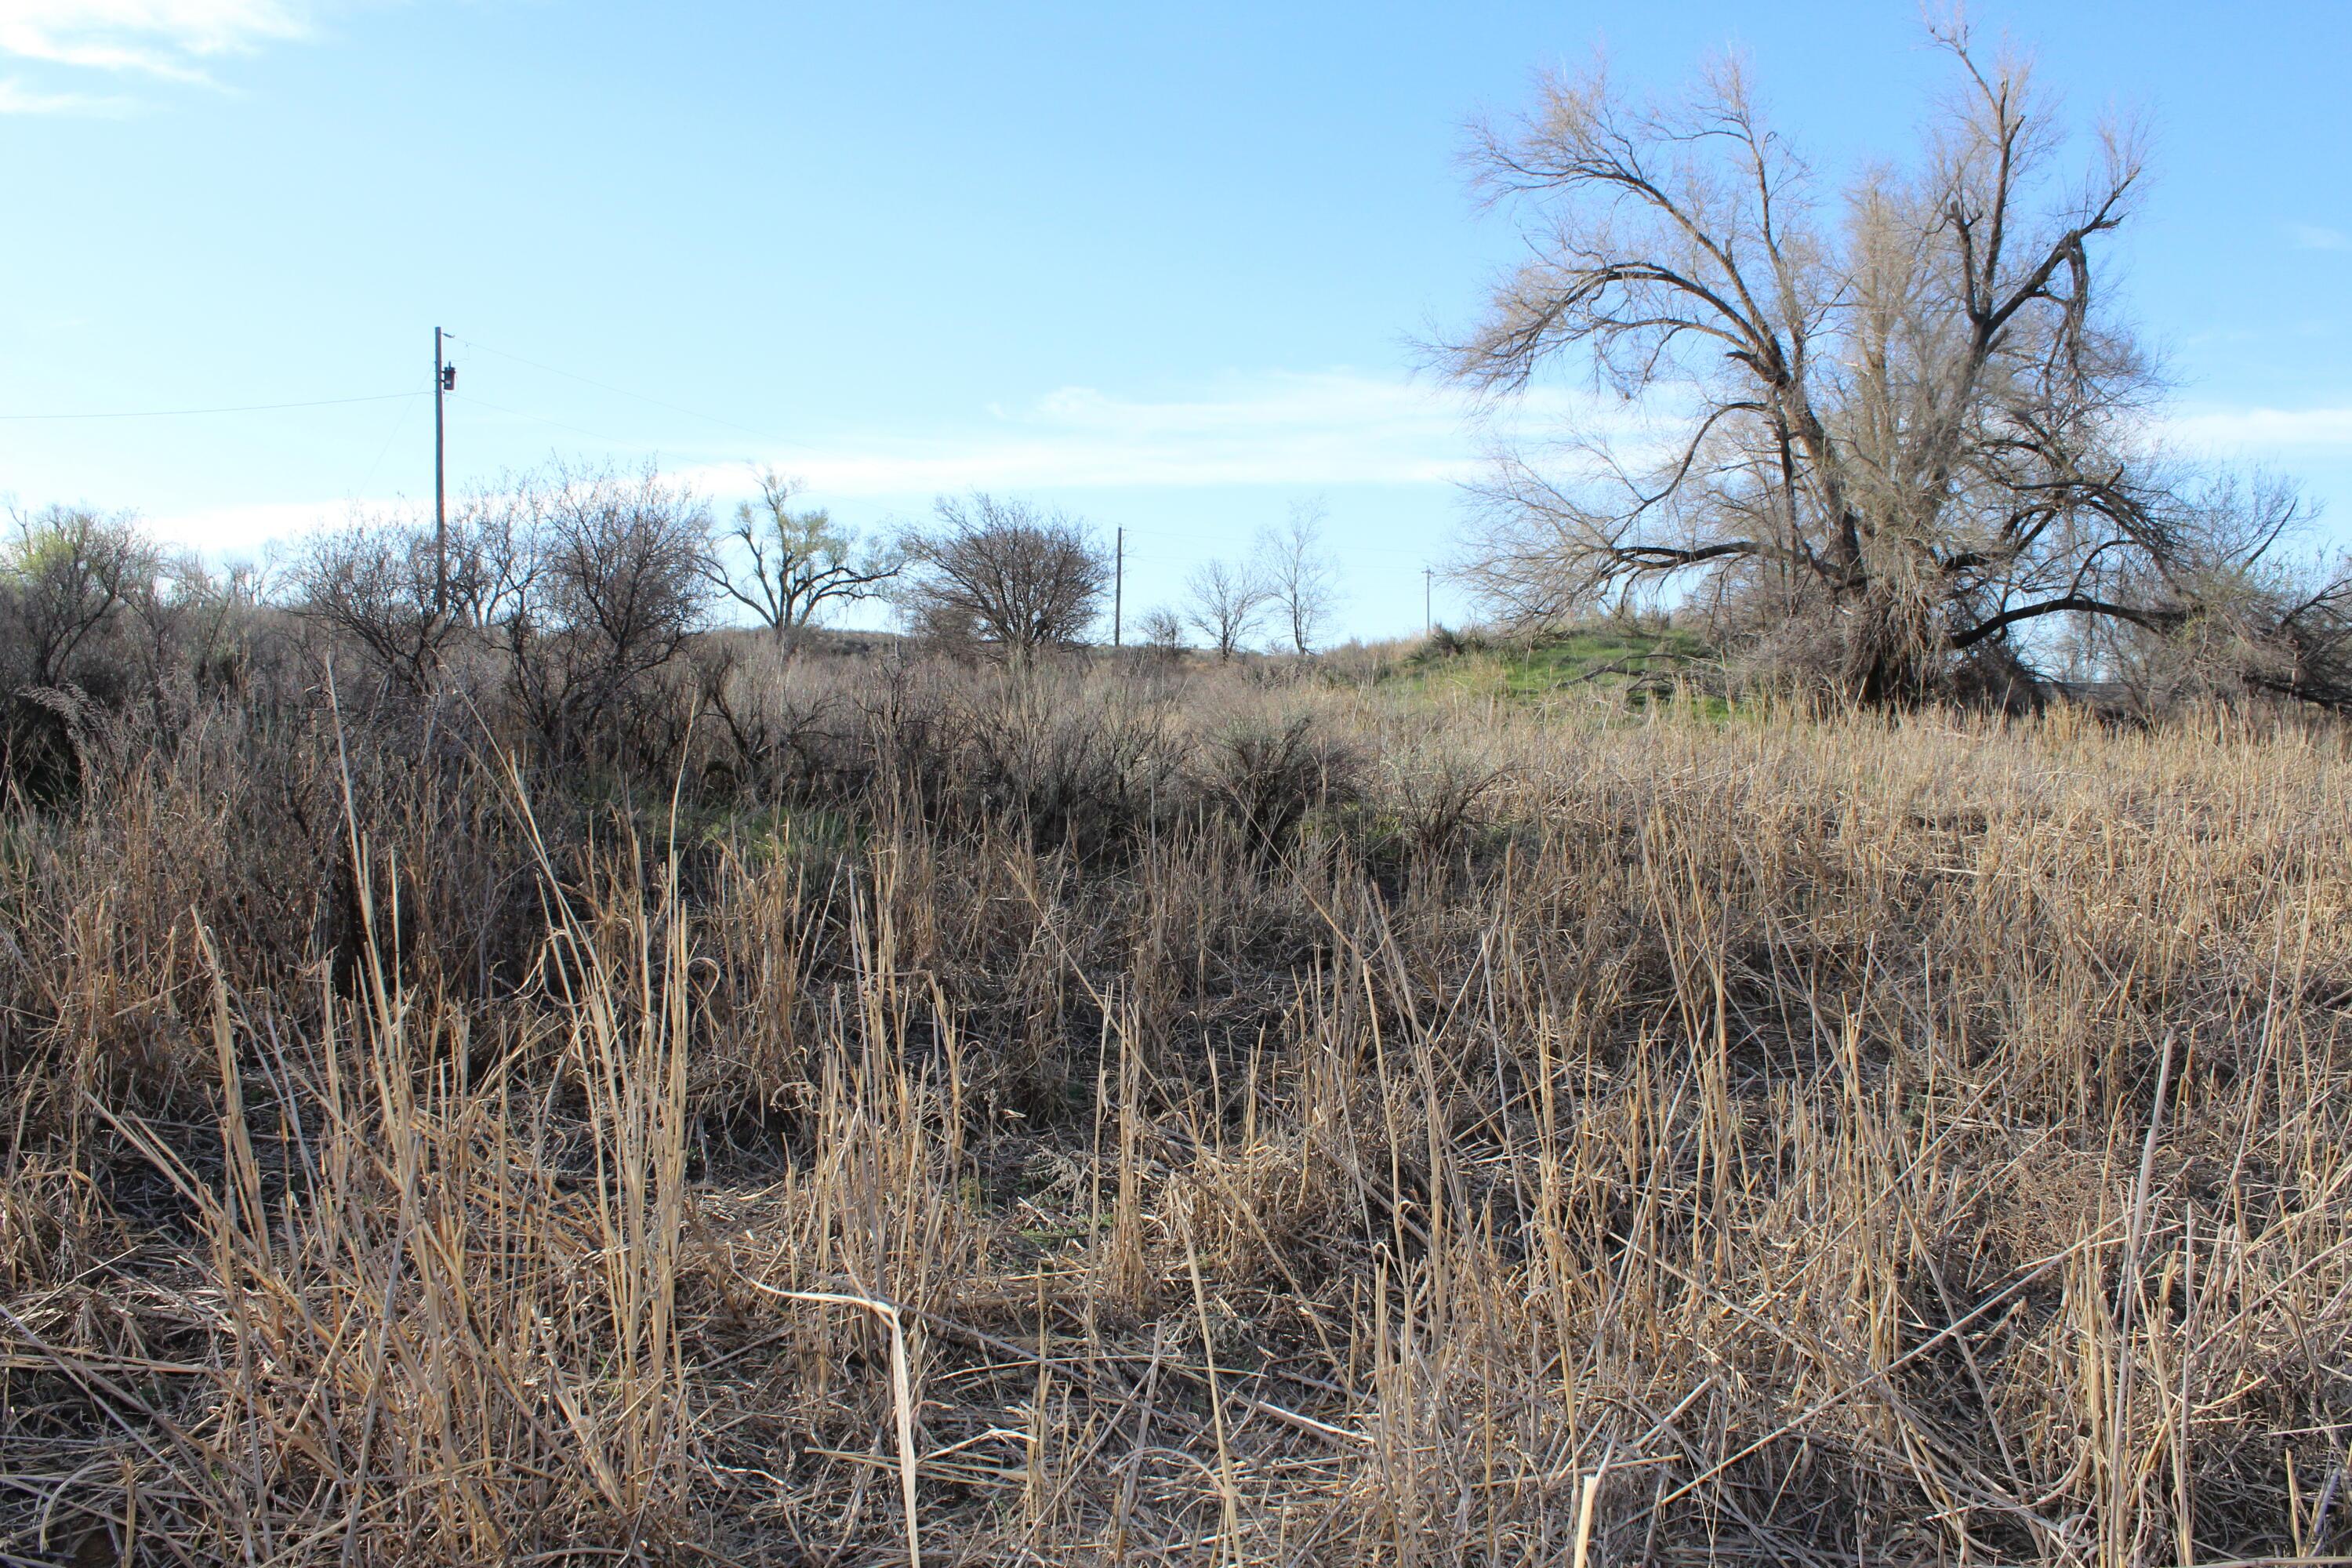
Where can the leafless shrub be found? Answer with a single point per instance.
(64, 577)
(1088, 765)
(1266, 776)
(187, 625)
(375, 583)
(1004, 573)
(1439, 798)
(1360, 664)
(615, 589)
(775, 728)
(1159, 632)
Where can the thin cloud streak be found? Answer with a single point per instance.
(1332, 427)
(1321, 429)
(16, 98)
(1294, 430)
(258, 530)
(165, 40)
(2264, 429)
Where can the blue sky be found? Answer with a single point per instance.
(1163, 266)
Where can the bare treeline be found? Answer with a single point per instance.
(574, 598)
(1288, 578)
(617, 569)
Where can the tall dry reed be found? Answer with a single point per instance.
(1551, 1140)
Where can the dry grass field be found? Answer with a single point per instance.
(1180, 1115)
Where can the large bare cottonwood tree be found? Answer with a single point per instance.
(1905, 429)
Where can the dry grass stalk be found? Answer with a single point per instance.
(1921, 1140)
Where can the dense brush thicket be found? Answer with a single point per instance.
(840, 1107)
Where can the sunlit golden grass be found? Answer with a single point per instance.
(1791, 1141)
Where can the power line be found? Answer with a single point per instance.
(398, 427)
(239, 408)
(1344, 547)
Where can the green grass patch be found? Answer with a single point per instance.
(1636, 664)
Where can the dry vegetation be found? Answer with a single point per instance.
(1164, 1114)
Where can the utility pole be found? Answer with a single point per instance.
(1118, 586)
(1428, 624)
(444, 376)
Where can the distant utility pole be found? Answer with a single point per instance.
(1118, 586)
(445, 380)
(1428, 624)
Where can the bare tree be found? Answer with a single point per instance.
(1160, 631)
(614, 589)
(64, 576)
(2272, 622)
(374, 581)
(1908, 428)
(1224, 604)
(1300, 581)
(1002, 573)
(794, 564)
(377, 580)
(180, 616)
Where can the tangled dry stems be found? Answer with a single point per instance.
(1801, 1141)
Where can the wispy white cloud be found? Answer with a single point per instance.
(170, 40)
(253, 531)
(2316, 237)
(2260, 431)
(1327, 428)
(1319, 429)
(16, 98)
